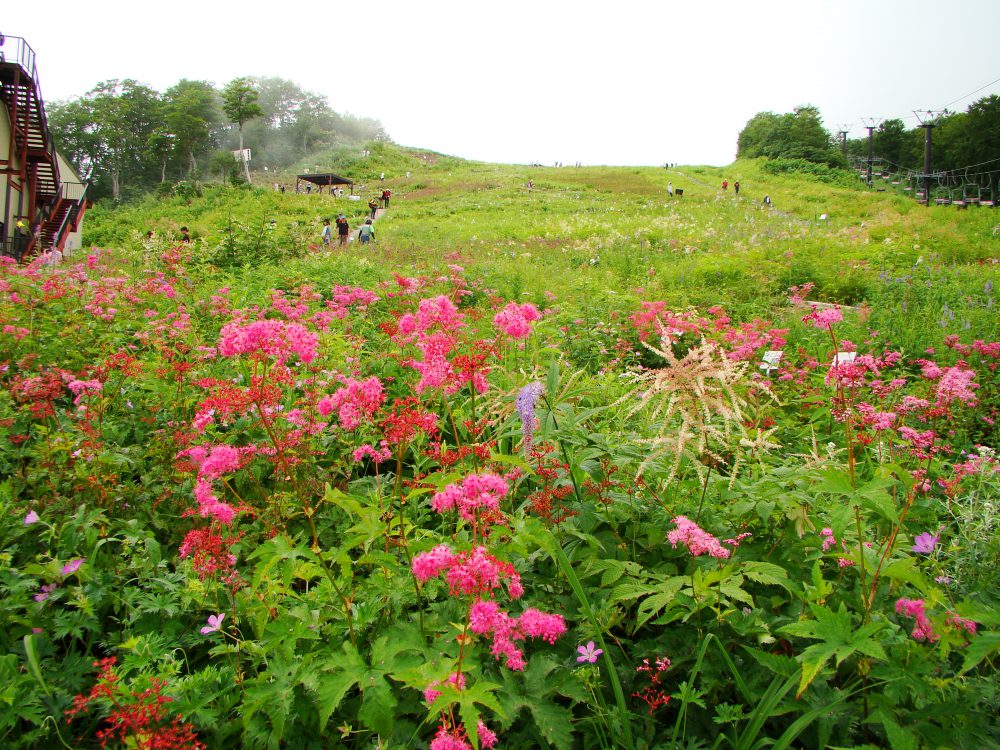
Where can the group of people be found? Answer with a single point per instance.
(365, 234)
(379, 201)
(736, 186)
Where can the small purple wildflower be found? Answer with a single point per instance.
(526, 401)
(31, 518)
(588, 653)
(214, 623)
(45, 591)
(72, 566)
(925, 543)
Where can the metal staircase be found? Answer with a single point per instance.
(30, 162)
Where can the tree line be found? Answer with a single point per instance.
(125, 137)
(960, 140)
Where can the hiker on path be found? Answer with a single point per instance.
(386, 194)
(373, 205)
(736, 187)
(343, 229)
(367, 231)
(670, 189)
(725, 184)
(327, 233)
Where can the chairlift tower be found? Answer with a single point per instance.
(928, 119)
(843, 140)
(870, 123)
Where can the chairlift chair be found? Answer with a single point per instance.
(986, 197)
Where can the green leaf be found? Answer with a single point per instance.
(979, 648)
(332, 685)
(766, 573)
(666, 593)
(378, 707)
(555, 722)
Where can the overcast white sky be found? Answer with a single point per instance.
(548, 80)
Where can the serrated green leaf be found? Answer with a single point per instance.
(666, 592)
(766, 573)
(554, 722)
(979, 648)
(378, 706)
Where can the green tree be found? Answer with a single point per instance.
(239, 102)
(192, 112)
(104, 133)
(796, 135)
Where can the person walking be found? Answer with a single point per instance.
(736, 187)
(343, 229)
(386, 194)
(725, 185)
(373, 205)
(327, 233)
(367, 232)
(670, 189)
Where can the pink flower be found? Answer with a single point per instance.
(828, 538)
(31, 518)
(476, 492)
(925, 543)
(270, 338)
(357, 400)
(588, 653)
(923, 630)
(697, 540)
(515, 320)
(824, 318)
(214, 623)
(427, 565)
(956, 385)
(72, 566)
(487, 738)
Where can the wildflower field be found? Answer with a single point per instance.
(575, 466)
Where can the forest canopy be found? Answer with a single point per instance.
(125, 138)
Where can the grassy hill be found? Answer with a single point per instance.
(604, 238)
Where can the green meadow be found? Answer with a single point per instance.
(558, 461)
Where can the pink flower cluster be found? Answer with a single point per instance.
(698, 541)
(81, 388)
(212, 463)
(357, 400)
(515, 320)
(476, 493)
(486, 618)
(752, 337)
(956, 385)
(923, 630)
(455, 680)
(472, 573)
(824, 318)
(454, 738)
(269, 338)
(434, 328)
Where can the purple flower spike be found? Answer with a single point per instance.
(526, 400)
(214, 623)
(925, 543)
(588, 653)
(72, 566)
